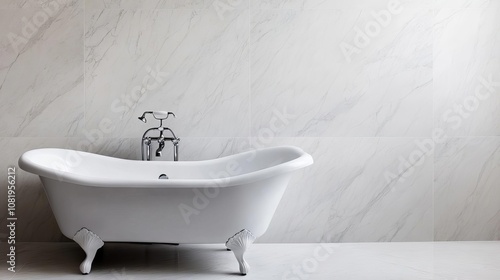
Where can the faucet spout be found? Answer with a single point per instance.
(161, 145)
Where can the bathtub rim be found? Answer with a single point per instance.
(302, 160)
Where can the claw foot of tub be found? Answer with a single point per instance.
(239, 244)
(90, 243)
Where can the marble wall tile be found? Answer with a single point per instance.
(144, 4)
(202, 63)
(345, 196)
(41, 71)
(232, 69)
(38, 4)
(467, 70)
(460, 4)
(224, 6)
(115, 147)
(384, 90)
(467, 189)
(341, 5)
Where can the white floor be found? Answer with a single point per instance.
(384, 261)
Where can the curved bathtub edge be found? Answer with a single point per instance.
(27, 164)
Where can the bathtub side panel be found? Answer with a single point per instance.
(165, 215)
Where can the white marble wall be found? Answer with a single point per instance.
(243, 74)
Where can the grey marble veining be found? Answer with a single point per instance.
(38, 4)
(41, 71)
(467, 69)
(383, 89)
(467, 189)
(337, 5)
(345, 201)
(202, 63)
(460, 4)
(230, 69)
(144, 4)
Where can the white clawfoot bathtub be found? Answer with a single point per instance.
(97, 199)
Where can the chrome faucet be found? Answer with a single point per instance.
(146, 140)
(161, 145)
